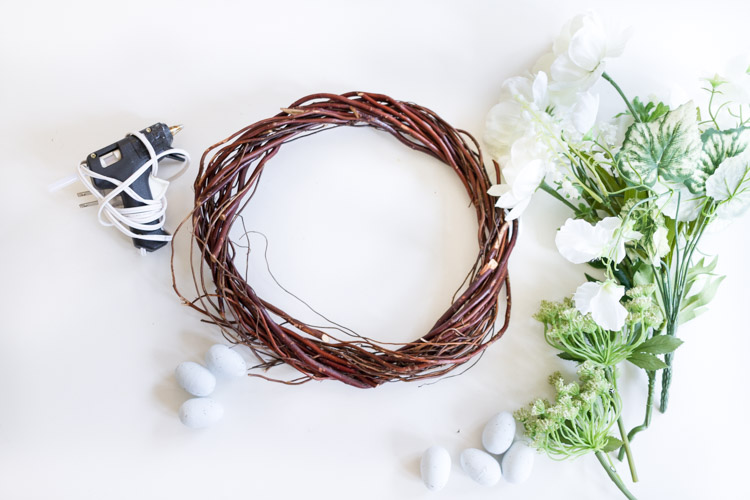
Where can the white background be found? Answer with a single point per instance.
(370, 233)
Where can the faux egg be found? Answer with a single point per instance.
(225, 362)
(195, 378)
(499, 432)
(518, 462)
(480, 466)
(435, 468)
(200, 412)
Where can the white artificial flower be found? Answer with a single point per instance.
(619, 235)
(581, 50)
(584, 111)
(730, 185)
(660, 245)
(602, 300)
(568, 190)
(523, 172)
(581, 242)
(674, 197)
(737, 77)
(612, 132)
(506, 121)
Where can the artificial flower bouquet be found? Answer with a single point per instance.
(642, 189)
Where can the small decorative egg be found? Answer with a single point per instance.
(481, 466)
(200, 412)
(518, 462)
(435, 467)
(195, 378)
(499, 432)
(225, 362)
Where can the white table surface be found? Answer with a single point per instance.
(372, 234)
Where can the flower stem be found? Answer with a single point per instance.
(548, 189)
(623, 435)
(647, 418)
(626, 447)
(614, 476)
(666, 375)
(622, 94)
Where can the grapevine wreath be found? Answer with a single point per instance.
(228, 178)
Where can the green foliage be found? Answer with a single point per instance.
(650, 111)
(612, 444)
(580, 419)
(718, 145)
(668, 147)
(580, 338)
(660, 344)
(646, 361)
(696, 304)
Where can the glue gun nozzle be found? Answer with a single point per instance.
(174, 129)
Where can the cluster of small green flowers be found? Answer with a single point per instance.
(562, 319)
(578, 335)
(642, 308)
(579, 420)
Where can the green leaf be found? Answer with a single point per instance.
(612, 444)
(696, 303)
(660, 344)
(643, 276)
(696, 271)
(569, 357)
(597, 264)
(669, 147)
(690, 314)
(720, 145)
(706, 295)
(650, 111)
(646, 361)
(590, 278)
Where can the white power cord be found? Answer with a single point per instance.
(149, 216)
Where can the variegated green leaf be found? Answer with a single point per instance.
(720, 145)
(669, 147)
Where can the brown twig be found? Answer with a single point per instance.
(227, 180)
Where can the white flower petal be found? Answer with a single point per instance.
(602, 300)
(539, 91)
(528, 179)
(562, 42)
(580, 242)
(564, 70)
(583, 114)
(616, 43)
(588, 46)
(498, 189)
(660, 245)
(584, 295)
(518, 209)
(503, 126)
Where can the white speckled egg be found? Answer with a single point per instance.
(518, 462)
(200, 412)
(195, 378)
(499, 432)
(225, 362)
(435, 468)
(481, 466)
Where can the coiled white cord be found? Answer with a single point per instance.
(149, 216)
